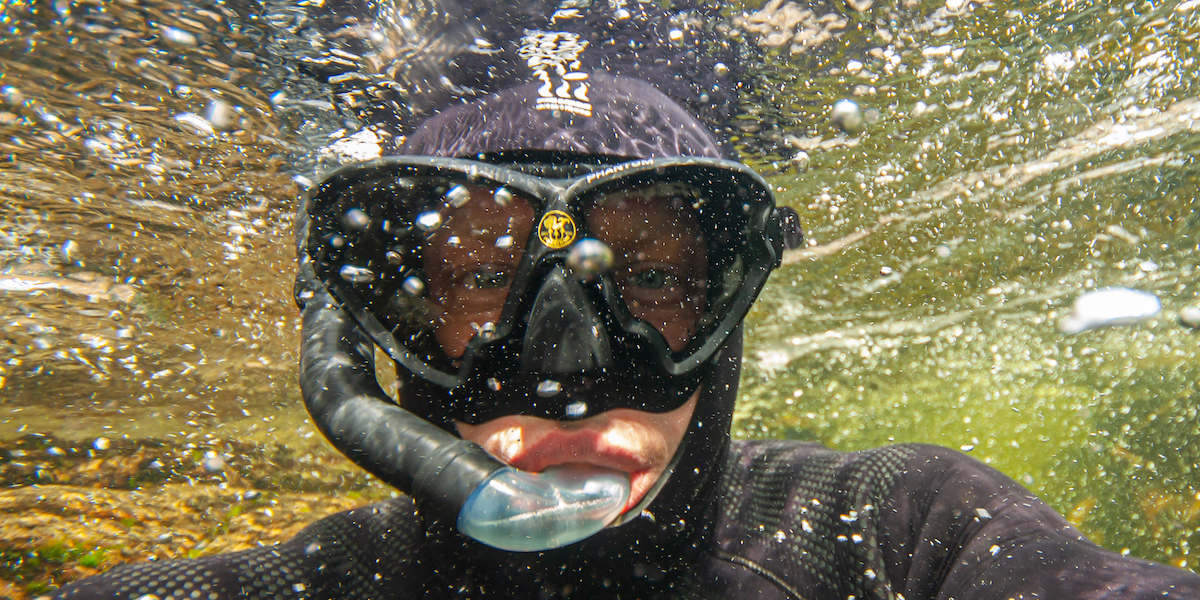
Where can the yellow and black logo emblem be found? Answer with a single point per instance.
(556, 229)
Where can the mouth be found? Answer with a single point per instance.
(590, 448)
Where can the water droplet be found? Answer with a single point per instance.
(414, 286)
(621, 14)
(55, 451)
(504, 241)
(675, 35)
(502, 196)
(428, 221)
(355, 274)
(394, 257)
(720, 69)
(549, 388)
(493, 384)
(453, 241)
(356, 219)
(457, 196)
(101, 443)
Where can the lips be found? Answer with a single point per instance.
(585, 447)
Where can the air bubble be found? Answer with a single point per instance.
(457, 196)
(503, 197)
(355, 274)
(178, 37)
(589, 257)
(213, 463)
(428, 221)
(487, 331)
(576, 410)
(847, 116)
(549, 388)
(504, 241)
(356, 219)
(414, 286)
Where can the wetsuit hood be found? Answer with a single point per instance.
(621, 117)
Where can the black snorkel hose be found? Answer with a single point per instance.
(449, 478)
(337, 381)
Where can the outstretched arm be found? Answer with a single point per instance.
(956, 528)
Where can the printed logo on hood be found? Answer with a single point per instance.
(554, 58)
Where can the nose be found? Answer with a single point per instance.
(565, 335)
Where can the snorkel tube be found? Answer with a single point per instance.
(448, 477)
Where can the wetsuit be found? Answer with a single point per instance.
(791, 520)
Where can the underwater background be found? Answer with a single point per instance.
(1011, 157)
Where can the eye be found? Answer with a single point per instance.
(652, 279)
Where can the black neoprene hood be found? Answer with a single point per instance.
(624, 118)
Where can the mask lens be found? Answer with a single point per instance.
(685, 246)
(660, 257)
(432, 256)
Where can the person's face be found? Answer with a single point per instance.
(659, 263)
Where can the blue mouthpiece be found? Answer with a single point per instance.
(528, 512)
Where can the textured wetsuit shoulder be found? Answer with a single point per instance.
(914, 520)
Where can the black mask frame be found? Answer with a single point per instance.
(633, 367)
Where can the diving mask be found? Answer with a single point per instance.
(541, 290)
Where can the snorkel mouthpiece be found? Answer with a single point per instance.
(521, 511)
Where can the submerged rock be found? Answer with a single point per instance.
(1110, 306)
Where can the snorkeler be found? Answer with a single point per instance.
(559, 270)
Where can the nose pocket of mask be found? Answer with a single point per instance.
(565, 335)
